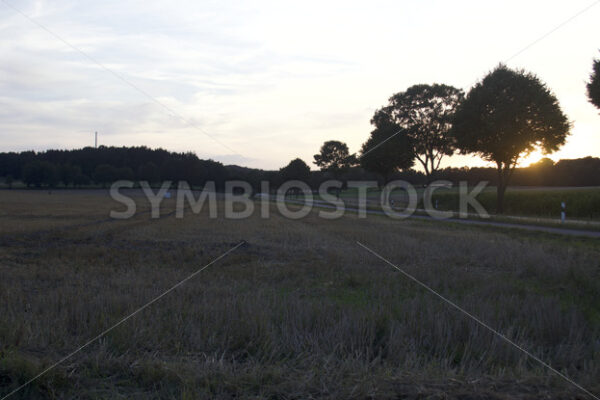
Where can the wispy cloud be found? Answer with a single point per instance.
(268, 78)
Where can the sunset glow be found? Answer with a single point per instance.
(260, 84)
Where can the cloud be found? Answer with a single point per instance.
(270, 80)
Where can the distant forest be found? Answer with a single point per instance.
(104, 165)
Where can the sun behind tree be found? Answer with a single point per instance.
(505, 117)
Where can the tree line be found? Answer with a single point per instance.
(104, 165)
(502, 119)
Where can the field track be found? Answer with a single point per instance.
(537, 228)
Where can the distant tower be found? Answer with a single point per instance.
(96, 140)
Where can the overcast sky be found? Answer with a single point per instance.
(273, 80)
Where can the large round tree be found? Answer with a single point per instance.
(296, 170)
(334, 157)
(425, 112)
(593, 86)
(504, 117)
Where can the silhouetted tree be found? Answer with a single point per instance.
(296, 170)
(504, 117)
(536, 174)
(388, 148)
(425, 112)
(593, 86)
(334, 157)
(543, 163)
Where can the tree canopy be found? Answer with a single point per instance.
(593, 86)
(334, 157)
(77, 167)
(388, 148)
(296, 170)
(506, 116)
(425, 113)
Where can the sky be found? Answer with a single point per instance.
(260, 83)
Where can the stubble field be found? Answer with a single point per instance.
(298, 311)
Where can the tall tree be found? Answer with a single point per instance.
(593, 86)
(504, 117)
(425, 112)
(334, 157)
(388, 148)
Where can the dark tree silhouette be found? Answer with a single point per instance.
(388, 148)
(334, 157)
(543, 163)
(425, 112)
(149, 164)
(593, 86)
(296, 170)
(154, 165)
(504, 117)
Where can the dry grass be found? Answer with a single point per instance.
(301, 311)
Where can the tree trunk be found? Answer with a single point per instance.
(501, 189)
(427, 171)
(500, 199)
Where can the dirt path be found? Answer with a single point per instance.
(537, 228)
